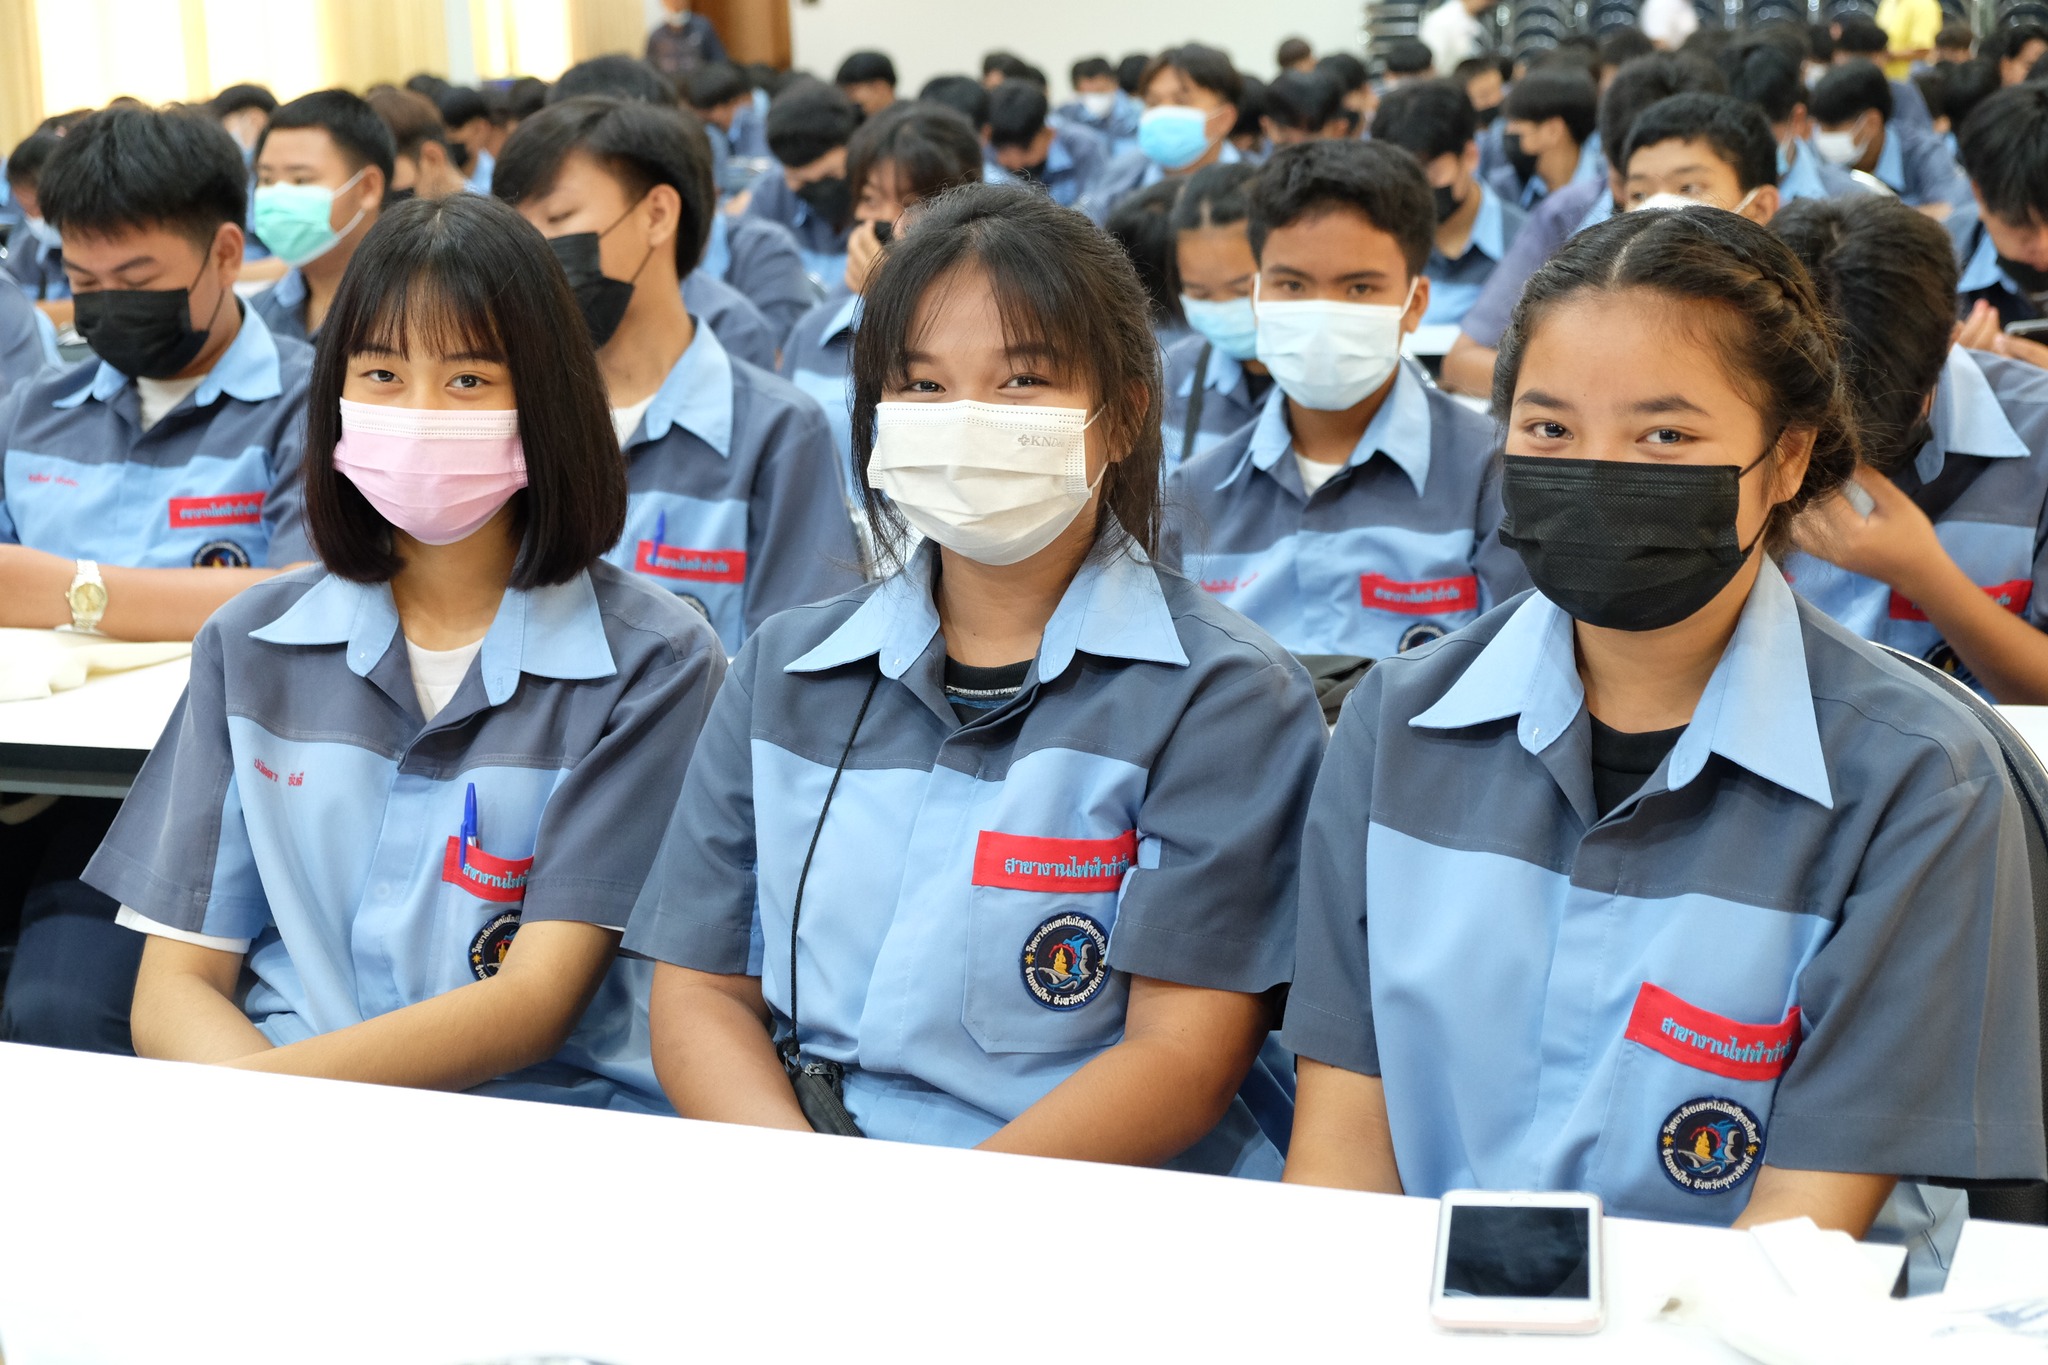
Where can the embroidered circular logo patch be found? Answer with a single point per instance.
(1709, 1146)
(1066, 962)
(220, 554)
(1420, 635)
(487, 950)
(689, 601)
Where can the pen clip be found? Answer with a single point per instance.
(469, 827)
(660, 528)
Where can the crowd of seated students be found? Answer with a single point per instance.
(611, 515)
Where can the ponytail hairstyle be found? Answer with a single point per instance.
(1747, 293)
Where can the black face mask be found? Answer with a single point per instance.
(1524, 164)
(2033, 283)
(1622, 545)
(830, 199)
(1447, 201)
(143, 333)
(601, 299)
(1488, 115)
(1031, 175)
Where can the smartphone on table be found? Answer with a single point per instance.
(1519, 1262)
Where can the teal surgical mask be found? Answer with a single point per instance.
(295, 221)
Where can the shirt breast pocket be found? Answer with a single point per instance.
(1040, 914)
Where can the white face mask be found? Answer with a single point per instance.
(1840, 149)
(1098, 103)
(992, 481)
(1667, 200)
(1329, 356)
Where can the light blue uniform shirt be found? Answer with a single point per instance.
(1913, 163)
(1227, 402)
(981, 893)
(818, 359)
(37, 266)
(1454, 285)
(1399, 546)
(1120, 125)
(480, 181)
(822, 247)
(1982, 274)
(1133, 171)
(734, 501)
(1806, 940)
(1076, 156)
(215, 483)
(1806, 175)
(283, 306)
(741, 327)
(760, 259)
(299, 808)
(28, 343)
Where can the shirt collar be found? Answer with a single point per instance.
(247, 369)
(553, 632)
(1800, 179)
(844, 318)
(718, 249)
(1967, 419)
(290, 289)
(1756, 711)
(1113, 609)
(1601, 209)
(1400, 430)
(696, 395)
(1982, 270)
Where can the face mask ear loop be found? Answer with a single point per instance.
(343, 189)
(1750, 548)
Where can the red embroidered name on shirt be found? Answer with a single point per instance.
(2013, 596)
(487, 877)
(236, 509)
(1700, 1038)
(1432, 598)
(1023, 862)
(697, 566)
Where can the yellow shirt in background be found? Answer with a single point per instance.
(1911, 26)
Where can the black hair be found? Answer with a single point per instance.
(964, 95)
(1955, 35)
(1306, 101)
(1707, 43)
(2038, 72)
(1969, 85)
(764, 77)
(1032, 74)
(1343, 68)
(1142, 224)
(1381, 183)
(1620, 46)
(525, 97)
(860, 67)
(1016, 114)
(616, 75)
(715, 83)
(1932, 83)
(458, 104)
(1207, 67)
(1578, 53)
(1090, 69)
(1760, 311)
(409, 116)
(1641, 84)
(236, 98)
(2015, 37)
(1428, 119)
(25, 163)
(426, 83)
(1059, 283)
(357, 132)
(1251, 110)
(1130, 69)
(1859, 34)
(1214, 196)
(1766, 75)
(1290, 51)
(1887, 276)
(1469, 70)
(1849, 91)
(1788, 38)
(1407, 57)
(808, 121)
(127, 169)
(640, 145)
(1736, 130)
(932, 147)
(466, 273)
(1820, 42)
(2004, 147)
(1007, 63)
(1556, 92)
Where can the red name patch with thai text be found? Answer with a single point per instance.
(1700, 1038)
(697, 566)
(491, 879)
(1022, 862)
(1433, 598)
(2013, 596)
(236, 509)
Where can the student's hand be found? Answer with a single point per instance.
(863, 249)
(1982, 332)
(1895, 544)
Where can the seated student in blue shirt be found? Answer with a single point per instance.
(898, 159)
(734, 500)
(867, 78)
(1853, 106)
(1215, 382)
(1190, 95)
(717, 93)
(399, 819)
(1356, 515)
(990, 808)
(35, 257)
(323, 167)
(1762, 71)
(1099, 103)
(1434, 123)
(1304, 105)
(808, 191)
(1656, 882)
(1702, 149)
(2001, 232)
(1022, 143)
(1949, 565)
(1548, 118)
(28, 343)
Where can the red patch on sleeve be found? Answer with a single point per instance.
(1436, 597)
(1700, 1038)
(1022, 862)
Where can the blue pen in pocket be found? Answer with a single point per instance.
(469, 829)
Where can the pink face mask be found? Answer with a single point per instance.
(437, 476)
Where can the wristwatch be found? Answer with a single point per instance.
(87, 597)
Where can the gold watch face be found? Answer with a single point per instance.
(87, 599)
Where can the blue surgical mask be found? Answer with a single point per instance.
(295, 221)
(1230, 326)
(1173, 136)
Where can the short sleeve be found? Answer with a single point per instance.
(1214, 905)
(10, 414)
(179, 852)
(800, 545)
(1329, 1008)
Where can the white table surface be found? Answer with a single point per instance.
(2032, 723)
(110, 712)
(164, 1213)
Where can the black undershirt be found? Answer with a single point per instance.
(1256, 386)
(974, 691)
(1623, 761)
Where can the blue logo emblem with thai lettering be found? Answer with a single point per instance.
(1709, 1146)
(487, 950)
(220, 554)
(1420, 635)
(1066, 962)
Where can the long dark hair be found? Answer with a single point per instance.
(467, 274)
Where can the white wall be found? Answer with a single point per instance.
(935, 37)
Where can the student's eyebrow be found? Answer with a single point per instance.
(1030, 352)
(1362, 275)
(917, 358)
(112, 270)
(1537, 398)
(1669, 402)
(1689, 168)
(473, 358)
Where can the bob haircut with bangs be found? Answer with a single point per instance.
(1063, 289)
(467, 276)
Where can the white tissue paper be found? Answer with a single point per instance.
(37, 663)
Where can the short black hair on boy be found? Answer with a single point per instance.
(1214, 196)
(715, 83)
(964, 95)
(1089, 69)
(1428, 119)
(1292, 50)
(1016, 114)
(1343, 68)
(1200, 65)
(860, 67)
(458, 104)
(1736, 130)
(124, 169)
(932, 147)
(344, 116)
(236, 98)
(1564, 92)
(1969, 85)
(2004, 147)
(1849, 91)
(1407, 57)
(614, 74)
(1009, 64)
(638, 144)
(1380, 183)
(466, 273)
(1130, 70)
(1762, 72)
(1641, 84)
(25, 163)
(807, 121)
(1305, 101)
(525, 97)
(1955, 35)
(1860, 34)
(1623, 45)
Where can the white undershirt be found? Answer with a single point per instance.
(159, 396)
(436, 673)
(1314, 473)
(626, 420)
